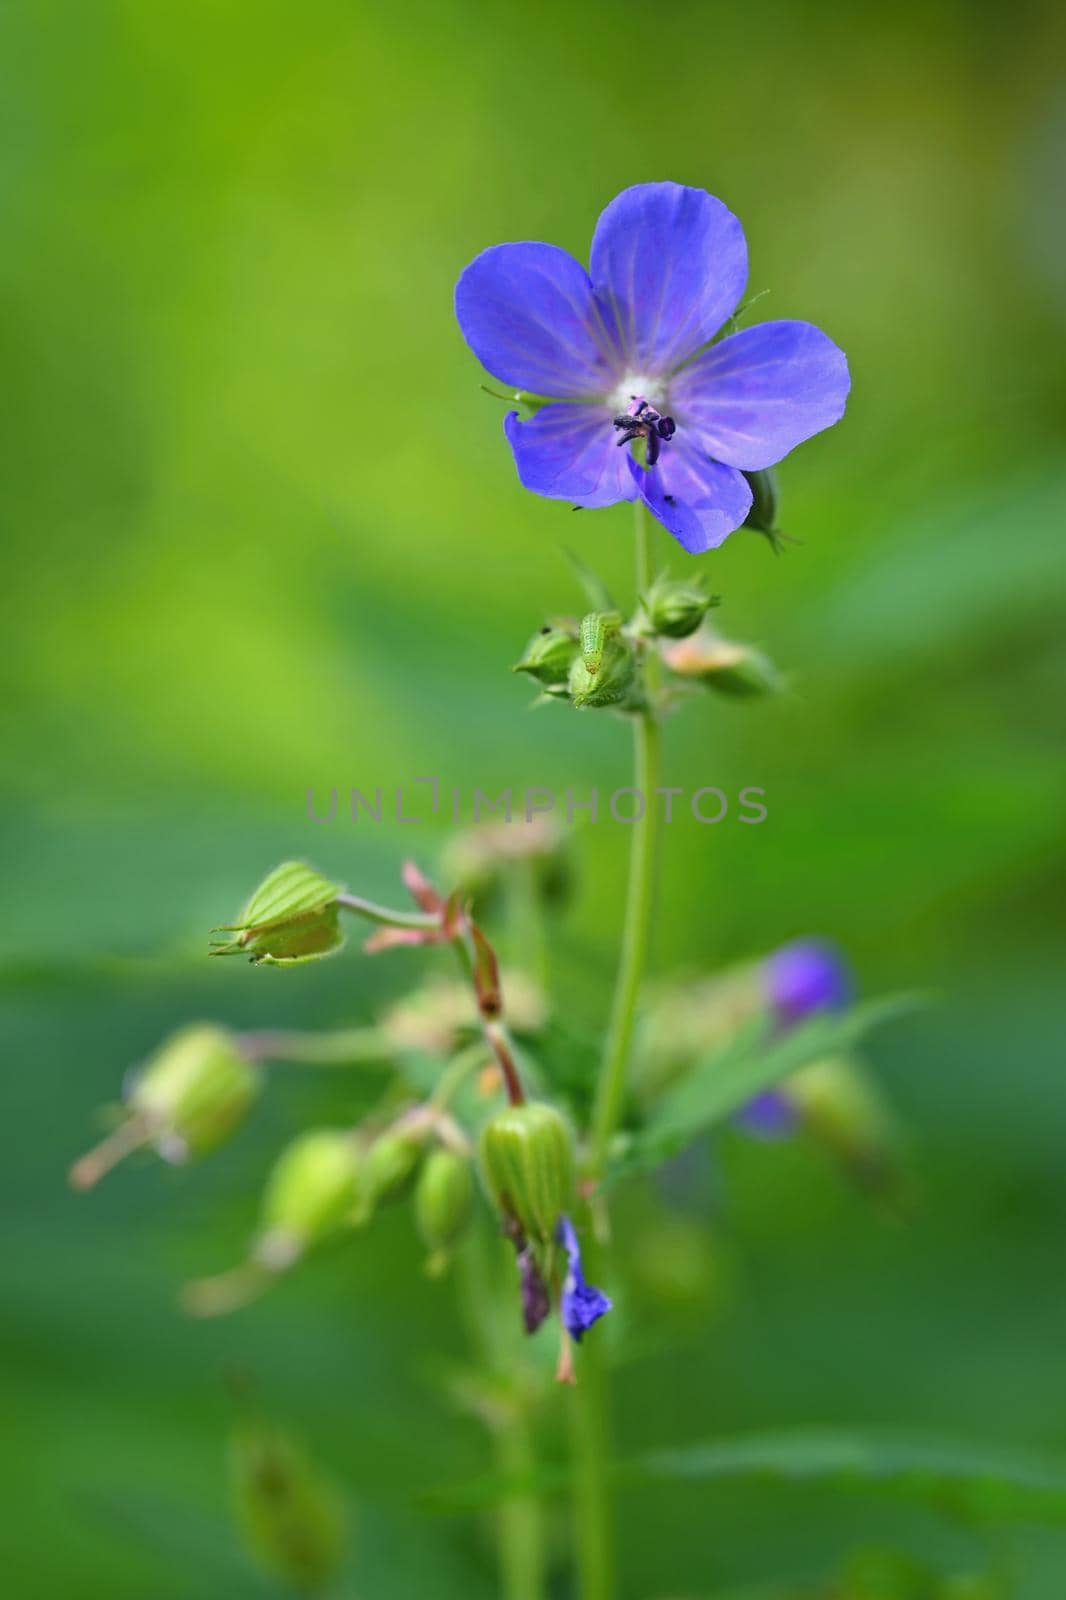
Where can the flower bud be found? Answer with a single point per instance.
(290, 1515)
(734, 669)
(443, 1201)
(194, 1091)
(839, 1104)
(387, 1170)
(549, 654)
(492, 856)
(191, 1094)
(527, 1163)
(293, 916)
(311, 1193)
(805, 976)
(612, 679)
(675, 610)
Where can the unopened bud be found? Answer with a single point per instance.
(527, 1162)
(194, 1091)
(734, 669)
(388, 1170)
(189, 1096)
(492, 855)
(443, 1201)
(293, 916)
(674, 610)
(311, 1193)
(290, 1515)
(612, 679)
(842, 1108)
(549, 654)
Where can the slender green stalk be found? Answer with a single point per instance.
(519, 1524)
(591, 1447)
(610, 1091)
(385, 915)
(594, 1523)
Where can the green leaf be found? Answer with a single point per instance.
(979, 1482)
(756, 1058)
(291, 917)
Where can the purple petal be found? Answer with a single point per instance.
(770, 1115)
(581, 1304)
(528, 314)
(759, 393)
(696, 499)
(808, 975)
(570, 452)
(670, 264)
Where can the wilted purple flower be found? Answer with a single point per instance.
(580, 1304)
(623, 354)
(536, 1301)
(807, 975)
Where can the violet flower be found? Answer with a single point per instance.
(807, 975)
(800, 978)
(581, 1304)
(623, 354)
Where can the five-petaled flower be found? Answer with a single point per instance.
(623, 353)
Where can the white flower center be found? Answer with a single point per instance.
(634, 386)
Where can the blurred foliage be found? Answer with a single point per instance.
(262, 533)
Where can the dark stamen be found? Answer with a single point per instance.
(642, 421)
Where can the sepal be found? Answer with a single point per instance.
(293, 916)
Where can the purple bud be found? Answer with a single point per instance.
(807, 975)
(771, 1115)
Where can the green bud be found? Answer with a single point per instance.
(388, 1170)
(843, 1109)
(734, 669)
(549, 655)
(291, 1516)
(527, 1163)
(493, 856)
(293, 916)
(311, 1192)
(675, 610)
(612, 680)
(194, 1091)
(444, 1198)
(191, 1094)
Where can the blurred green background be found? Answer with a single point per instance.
(262, 532)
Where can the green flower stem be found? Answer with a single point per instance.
(591, 1449)
(385, 915)
(610, 1092)
(594, 1522)
(519, 1525)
